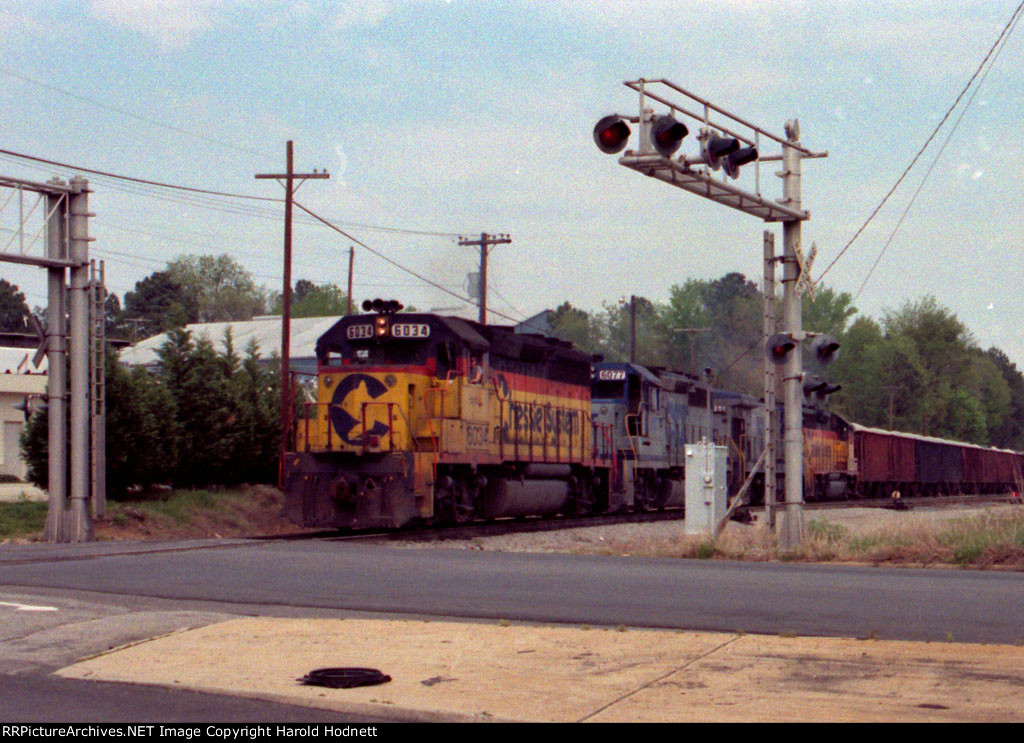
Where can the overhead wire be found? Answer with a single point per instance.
(927, 142)
(193, 196)
(124, 112)
(380, 255)
(935, 161)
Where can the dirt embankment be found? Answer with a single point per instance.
(248, 511)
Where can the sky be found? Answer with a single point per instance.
(441, 118)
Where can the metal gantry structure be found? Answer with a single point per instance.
(57, 226)
(728, 143)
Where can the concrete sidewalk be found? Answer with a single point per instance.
(446, 670)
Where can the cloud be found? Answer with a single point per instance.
(171, 23)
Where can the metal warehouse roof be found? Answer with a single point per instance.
(266, 331)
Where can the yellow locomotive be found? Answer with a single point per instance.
(420, 417)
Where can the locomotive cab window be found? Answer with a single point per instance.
(609, 390)
(386, 354)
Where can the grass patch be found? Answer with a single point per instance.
(826, 531)
(21, 519)
(993, 538)
(176, 514)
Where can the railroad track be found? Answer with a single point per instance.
(554, 523)
(503, 526)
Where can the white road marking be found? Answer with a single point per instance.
(28, 607)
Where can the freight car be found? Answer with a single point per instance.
(422, 418)
(848, 460)
(911, 464)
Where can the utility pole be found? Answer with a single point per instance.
(693, 345)
(287, 179)
(891, 389)
(485, 241)
(351, 265)
(632, 328)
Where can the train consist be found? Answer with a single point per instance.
(420, 418)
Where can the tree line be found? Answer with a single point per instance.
(917, 369)
(197, 289)
(207, 417)
(202, 417)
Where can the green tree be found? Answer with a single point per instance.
(142, 432)
(315, 300)
(828, 311)
(198, 380)
(255, 391)
(578, 327)
(650, 332)
(1009, 432)
(218, 286)
(142, 429)
(14, 311)
(687, 310)
(940, 346)
(158, 303)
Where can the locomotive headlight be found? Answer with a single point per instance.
(381, 325)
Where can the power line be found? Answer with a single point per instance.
(234, 209)
(920, 152)
(123, 112)
(398, 265)
(136, 180)
(935, 162)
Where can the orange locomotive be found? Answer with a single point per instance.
(423, 418)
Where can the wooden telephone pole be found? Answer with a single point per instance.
(287, 179)
(484, 242)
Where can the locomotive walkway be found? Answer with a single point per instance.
(472, 671)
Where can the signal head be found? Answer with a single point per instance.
(825, 349)
(713, 149)
(667, 134)
(611, 134)
(740, 157)
(812, 384)
(779, 347)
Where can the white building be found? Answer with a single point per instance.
(18, 381)
(266, 331)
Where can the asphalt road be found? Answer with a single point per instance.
(772, 598)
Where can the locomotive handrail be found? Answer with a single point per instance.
(629, 436)
(408, 425)
(430, 426)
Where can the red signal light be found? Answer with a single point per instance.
(611, 135)
(667, 134)
(779, 347)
